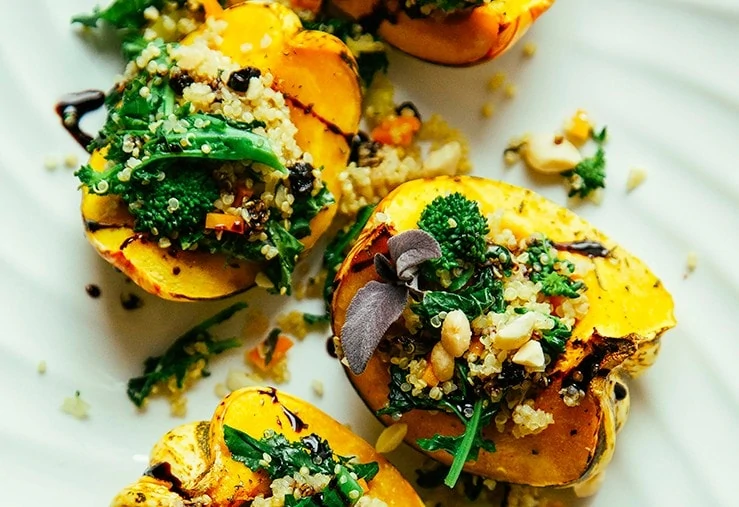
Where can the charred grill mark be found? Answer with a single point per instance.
(330, 126)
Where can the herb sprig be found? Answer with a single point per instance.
(194, 346)
(590, 174)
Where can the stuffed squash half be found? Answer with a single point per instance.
(449, 32)
(265, 448)
(499, 326)
(219, 161)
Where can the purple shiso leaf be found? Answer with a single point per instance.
(372, 310)
(411, 248)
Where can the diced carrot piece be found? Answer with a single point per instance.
(242, 194)
(225, 222)
(476, 347)
(578, 128)
(257, 355)
(397, 130)
(429, 377)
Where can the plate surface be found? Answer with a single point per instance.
(662, 74)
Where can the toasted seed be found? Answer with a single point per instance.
(391, 437)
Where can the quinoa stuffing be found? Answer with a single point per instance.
(204, 155)
(484, 316)
(302, 469)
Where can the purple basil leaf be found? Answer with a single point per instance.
(411, 248)
(374, 308)
(385, 268)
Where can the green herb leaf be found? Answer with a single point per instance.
(268, 347)
(182, 354)
(547, 269)
(306, 208)
(338, 248)
(465, 447)
(554, 340)
(589, 174)
(484, 295)
(280, 269)
(124, 14)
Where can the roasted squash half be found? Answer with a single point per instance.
(467, 37)
(617, 338)
(317, 76)
(193, 461)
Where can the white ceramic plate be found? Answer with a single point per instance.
(661, 74)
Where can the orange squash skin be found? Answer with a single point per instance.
(460, 39)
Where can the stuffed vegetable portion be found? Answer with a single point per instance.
(500, 327)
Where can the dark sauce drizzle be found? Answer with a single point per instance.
(296, 423)
(71, 108)
(331, 348)
(585, 247)
(92, 290)
(163, 472)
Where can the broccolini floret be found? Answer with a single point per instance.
(175, 206)
(459, 227)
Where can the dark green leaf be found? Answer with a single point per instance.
(306, 208)
(176, 360)
(268, 347)
(484, 295)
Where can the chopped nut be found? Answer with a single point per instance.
(456, 333)
(317, 387)
(530, 354)
(391, 437)
(76, 406)
(550, 154)
(442, 363)
(516, 332)
(636, 178)
(445, 160)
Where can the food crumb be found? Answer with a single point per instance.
(76, 406)
(636, 178)
(510, 91)
(487, 110)
(220, 390)
(71, 161)
(41, 368)
(692, 263)
(93, 290)
(178, 406)
(496, 81)
(317, 387)
(51, 162)
(294, 324)
(131, 301)
(529, 49)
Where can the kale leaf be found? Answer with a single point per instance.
(122, 14)
(305, 208)
(194, 346)
(547, 269)
(484, 295)
(338, 248)
(553, 340)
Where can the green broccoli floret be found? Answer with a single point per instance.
(174, 207)
(459, 227)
